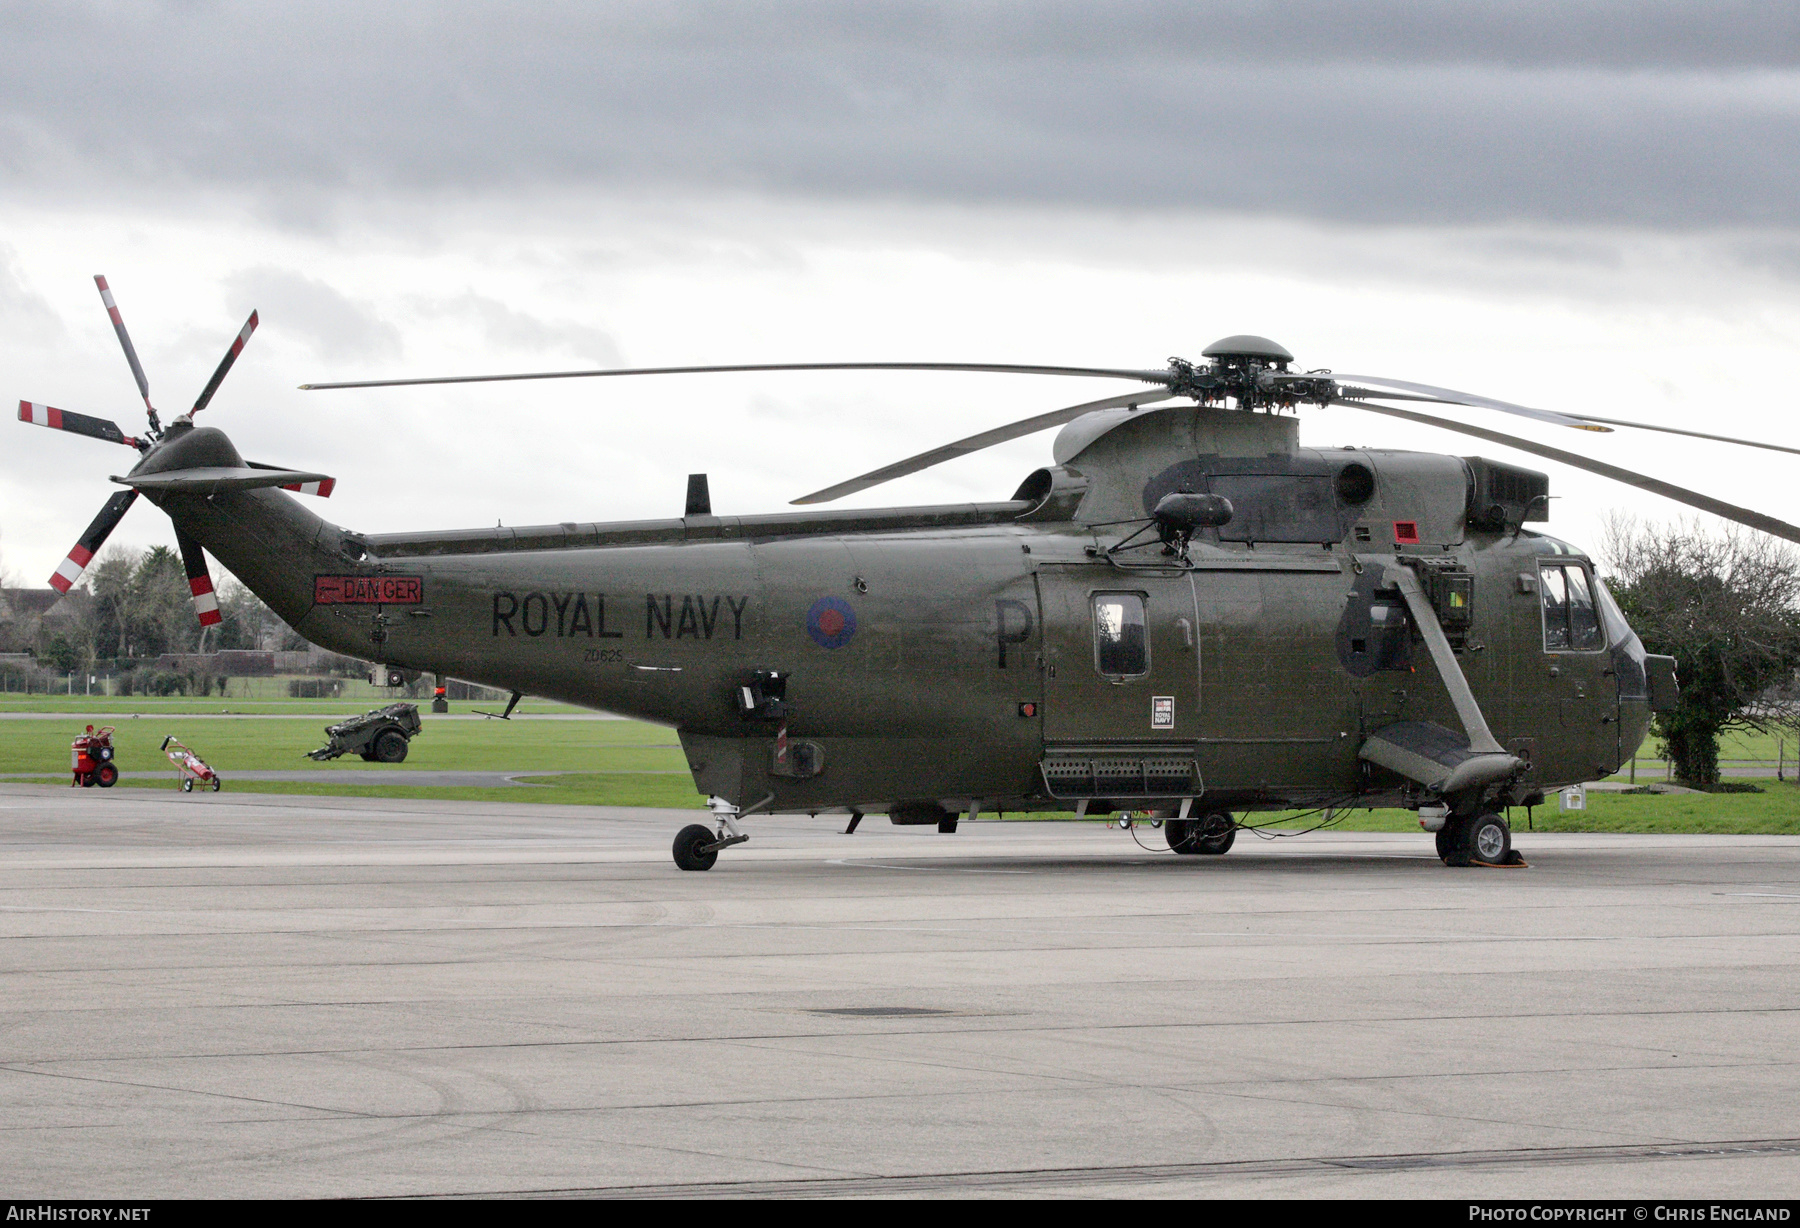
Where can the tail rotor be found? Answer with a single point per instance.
(193, 557)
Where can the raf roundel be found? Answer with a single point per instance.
(831, 622)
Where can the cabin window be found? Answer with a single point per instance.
(1571, 618)
(1121, 641)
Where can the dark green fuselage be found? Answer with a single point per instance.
(950, 655)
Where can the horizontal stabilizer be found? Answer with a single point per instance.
(1435, 757)
(213, 480)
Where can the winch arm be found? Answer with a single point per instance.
(1481, 738)
(1424, 751)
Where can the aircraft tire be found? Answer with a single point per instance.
(689, 843)
(1487, 839)
(390, 747)
(107, 776)
(1180, 835)
(1212, 840)
(1445, 842)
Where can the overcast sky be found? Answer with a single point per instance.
(1580, 205)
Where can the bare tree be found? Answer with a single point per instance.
(1727, 608)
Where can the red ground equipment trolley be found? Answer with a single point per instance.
(91, 759)
(189, 767)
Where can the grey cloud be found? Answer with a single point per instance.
(337, 327)
(1662, 114)
(505, 326)
(23, 311)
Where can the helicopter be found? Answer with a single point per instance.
(1186, 613)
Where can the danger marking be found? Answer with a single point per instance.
(368, 590)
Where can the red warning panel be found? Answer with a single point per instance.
(368, 590)
(1406, 532)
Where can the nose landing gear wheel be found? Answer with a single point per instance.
(691, 852)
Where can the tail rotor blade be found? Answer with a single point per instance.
(75, 424)
(71, 568)
(237, 347)
(193, 558)
(118, 323)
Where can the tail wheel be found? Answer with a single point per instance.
(691, 852)
(107, 776)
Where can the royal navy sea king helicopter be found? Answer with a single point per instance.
(1186, 612)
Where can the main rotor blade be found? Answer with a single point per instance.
(1668, 490)
(69, 571)
(1470, 398)
(974, 443)
(118, 323)
(1670, 430)
(75, 424)
(1149, 377)
(193, 559)
(212, 385)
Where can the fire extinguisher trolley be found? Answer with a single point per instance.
(189, 767)
(91, 759)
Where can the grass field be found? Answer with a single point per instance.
(629, 763)
(618, 763)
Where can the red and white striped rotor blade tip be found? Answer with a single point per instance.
(76, 424)
(69, 571)
(193, 558)
(231, 354)
(118, 323)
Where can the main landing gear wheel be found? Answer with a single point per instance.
(1446, 840)
(691, 851)
(107, 776)
(1212, 834)
(1217, 832)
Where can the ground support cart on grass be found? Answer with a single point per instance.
(379, 736)
(189, 767)
(91, 759)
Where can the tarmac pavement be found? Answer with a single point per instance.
(269, 995)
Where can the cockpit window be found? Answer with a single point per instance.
(1612, 619)
(1121, 647)
(1571, 620)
